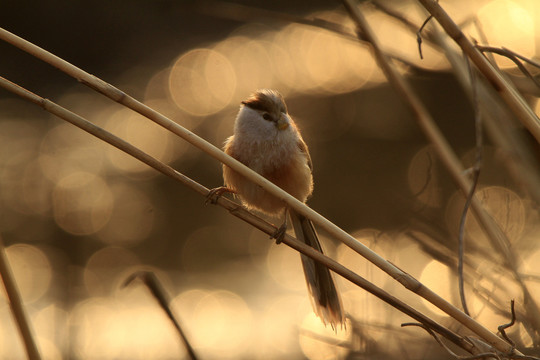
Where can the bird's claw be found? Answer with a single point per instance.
(215, 193)
(279, 234)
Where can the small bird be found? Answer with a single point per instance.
(268, 141)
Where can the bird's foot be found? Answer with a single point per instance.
(279, 234)
(215, 193)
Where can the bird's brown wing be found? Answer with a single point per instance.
(304, 149)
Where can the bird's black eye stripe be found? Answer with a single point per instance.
(266, 116)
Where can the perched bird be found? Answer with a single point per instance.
(268, 141)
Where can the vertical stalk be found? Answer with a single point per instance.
(17, 307)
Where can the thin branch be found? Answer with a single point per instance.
(419, 36)
(524, 58)
(484, 355)
(514, 100)
(449, 159)
(523, 167)
(483, 37)
(502, 328)
(434, 335)
(150, 280)
(516, 156)
(523, 85)
(476, 174)
(510, 55)
(235, 209)
(427, 181)
(17, 306)
(498, 121)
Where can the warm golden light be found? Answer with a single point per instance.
(276, 333)
(142, 133)
(51, 323)
(24, 189)
(35, 190)
(129, 326)
(318, 342)
(504, 205)
(480, 300)
(510, 24)
(82, 203)
(107, 268)
(31, 269)
(66, 149)
(397, 40)
(202, 82)
(440, 279)
(80, 216)
(378, 242)
(221, 321)
(132, 217)
(285, 267)
(531, 274)
(322, 61)
(250, 60)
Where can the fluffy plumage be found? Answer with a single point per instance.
(268, 141)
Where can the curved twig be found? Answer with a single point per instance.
(502, 328)
(476, 175)
(514, 100)
(419, 35)
(448, 157)
(512, 56)
(434, 335)
(523, 112)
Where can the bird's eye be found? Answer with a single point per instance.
(266, 116)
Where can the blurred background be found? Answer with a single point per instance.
(78, 216)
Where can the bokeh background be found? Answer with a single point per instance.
(78, 216)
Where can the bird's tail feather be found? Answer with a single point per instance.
(325, 297)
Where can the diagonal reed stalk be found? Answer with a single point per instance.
(442, 147)
(447, 155)
(235, 210)
(524, 113)
(517, 159)
(498, 120)
(333, 230)
(507, 92)
(17, 306)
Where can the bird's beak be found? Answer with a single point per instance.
(282, 122)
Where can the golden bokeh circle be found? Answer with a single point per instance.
(202, 82)
(82, 203)
(32, 271)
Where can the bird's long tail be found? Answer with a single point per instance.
(325, 298)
